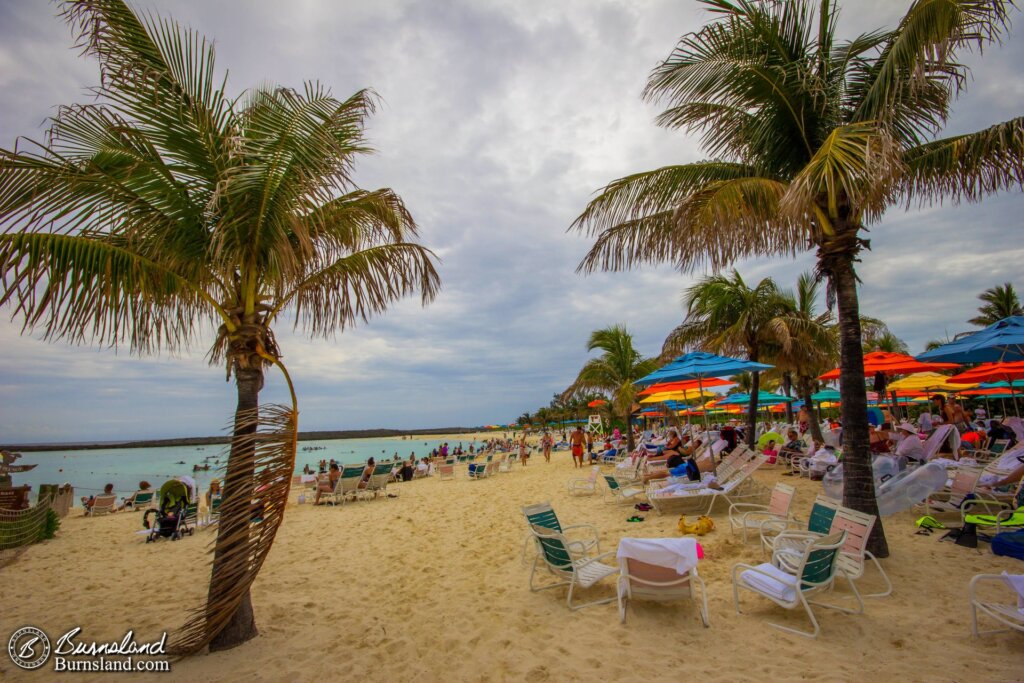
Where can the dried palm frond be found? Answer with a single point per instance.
(255, 494)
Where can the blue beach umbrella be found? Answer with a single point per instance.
(764, 398)
(999, 342)
(699, 365)
(825, 396)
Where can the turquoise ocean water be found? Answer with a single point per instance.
(89, 471)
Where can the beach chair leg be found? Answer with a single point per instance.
(621, 590)
(885, 577)
(703, 604)
(810, 615)
(847, 610)
(533, 572)
(568, 599)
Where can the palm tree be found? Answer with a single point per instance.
(812, 138)
(166, 204)
(614, 372)
(814, 343)
(724, 315)
(998, 302)
(883, 340)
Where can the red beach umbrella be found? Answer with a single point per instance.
(891, 364)
(596, 403)
(990, 372)
(687, 385)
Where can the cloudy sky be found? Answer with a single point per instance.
(500, 120)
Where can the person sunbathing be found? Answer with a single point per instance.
(770, 452)
(324, 484)
(364, 478)
(143, 486)
(87, 503)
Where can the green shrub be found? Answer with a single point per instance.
(51, 525)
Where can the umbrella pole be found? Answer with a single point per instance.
(700, 385)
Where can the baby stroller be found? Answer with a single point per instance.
(173, 515)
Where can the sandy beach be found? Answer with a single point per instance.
(431, 586)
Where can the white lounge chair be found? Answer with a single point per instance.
(750, 516)
(1008, 613)
(584, 485)
(965, 480)
(639, 580)
(788, 583)
(560, 562)
(684, 498)
(854, 553)
(139, 500)
(581, 545)
(101, 505)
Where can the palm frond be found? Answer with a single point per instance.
(255, 499)
(965, 167)
(854, 168)
(361, 284)
(915, 74)
(82, 289)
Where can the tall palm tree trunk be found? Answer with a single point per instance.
(238, 482)
(858, 477)
(787, 387)
(755, 388)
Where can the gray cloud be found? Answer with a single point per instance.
(498, 122)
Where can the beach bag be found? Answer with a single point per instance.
(1009, 544)
(700, 527)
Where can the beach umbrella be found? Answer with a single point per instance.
(883, 365)
(685, 385)
(763, 398)
(825, 395)
(926, 381)
(677, 396)
(597, 403)
(994, 372)
(999, 342)
(891, 365)
(699, 366)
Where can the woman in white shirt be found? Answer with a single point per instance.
(910, 446)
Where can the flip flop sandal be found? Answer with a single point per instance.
(635, 518)
(643, 507)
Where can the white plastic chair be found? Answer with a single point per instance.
(584, 485)
(1009, 614)
(583, 572)
(744, 516)
(788, 583)
(643, 581)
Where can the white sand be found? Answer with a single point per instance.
(430, 586)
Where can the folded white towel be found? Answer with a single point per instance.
(778, 585)
(677, 553)
(1016, 582)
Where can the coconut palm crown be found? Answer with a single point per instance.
(811, 139)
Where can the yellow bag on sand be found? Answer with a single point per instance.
(700, 527)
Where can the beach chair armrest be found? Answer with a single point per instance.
(598, 558)
(975, 506)
(741, 508)
(590, 530)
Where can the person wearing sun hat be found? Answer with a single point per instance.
(910, 445)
